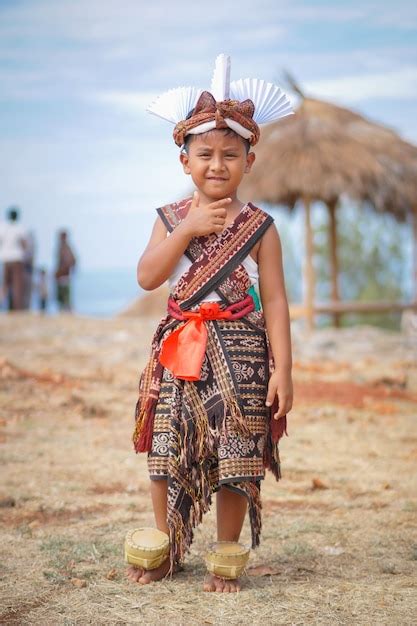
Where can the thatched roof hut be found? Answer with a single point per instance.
(323, 153)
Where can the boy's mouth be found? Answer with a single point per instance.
(216, 178)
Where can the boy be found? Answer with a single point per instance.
(208, 412)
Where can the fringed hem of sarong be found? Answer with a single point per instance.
(252, 491)
(272, 462)
(198, 437)
(181, 531)
(271, 450)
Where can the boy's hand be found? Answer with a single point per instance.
(280, 384)
(208, 219)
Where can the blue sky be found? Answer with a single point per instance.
(77, 149)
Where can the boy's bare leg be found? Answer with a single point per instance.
(159, 492)
(231, 511)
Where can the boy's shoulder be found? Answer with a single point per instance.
(172, 214)
(257, 209)
(257, 216)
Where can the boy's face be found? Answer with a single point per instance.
(217, 163)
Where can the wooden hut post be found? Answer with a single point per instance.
(309, 277)
(334, 261)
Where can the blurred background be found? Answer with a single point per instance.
(79, 153)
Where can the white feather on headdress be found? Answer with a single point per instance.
(220, 83)
(175, 104)
(270, 101)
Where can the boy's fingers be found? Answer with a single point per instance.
(195, 201)
(272, 390)
(219, 204)
(219, 213)
(280, 413)
(282, 406)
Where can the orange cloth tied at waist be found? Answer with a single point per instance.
(183, 350)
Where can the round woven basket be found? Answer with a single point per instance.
(227, 559)
(146, 547)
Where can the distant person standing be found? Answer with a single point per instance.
(13, 243)
(28, 267)
(65, 264)
(42, 289)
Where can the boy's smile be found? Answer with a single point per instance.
(217, 161)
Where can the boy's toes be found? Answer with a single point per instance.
(154, 575)
(145, 579)
(214, 583)
(134, 573)
(209, 584)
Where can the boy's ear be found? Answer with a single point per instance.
(184, 158)
(250, 159)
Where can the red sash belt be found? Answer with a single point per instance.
(183, 350)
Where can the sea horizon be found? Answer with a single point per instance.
(100, 293)
(104, 292)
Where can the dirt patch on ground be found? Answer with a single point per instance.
(346, 393)
(41, 517)
(338, 543)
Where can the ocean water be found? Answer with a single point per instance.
(98, 293)
(104, 293)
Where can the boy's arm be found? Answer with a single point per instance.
(277, 318)
(163, 253)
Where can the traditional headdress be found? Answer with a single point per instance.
(240, 105)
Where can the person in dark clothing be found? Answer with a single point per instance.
(43, 290)
(65, 264)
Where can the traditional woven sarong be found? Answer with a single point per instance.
(203, 433)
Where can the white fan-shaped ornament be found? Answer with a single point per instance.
(220, 83)
(174, 105)
(270, 101)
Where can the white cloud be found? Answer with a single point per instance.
(110, 21)
(400, 15)
(394, 85)
(131, 102)
(265, 33)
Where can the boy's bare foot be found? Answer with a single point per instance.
(144, 577)
(134, 573)
(214, 583)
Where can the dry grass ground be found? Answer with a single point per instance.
(339, 542)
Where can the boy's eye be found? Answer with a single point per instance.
(207, 155)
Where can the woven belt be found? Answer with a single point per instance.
(183, 350)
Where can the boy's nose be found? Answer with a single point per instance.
(216, 164)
